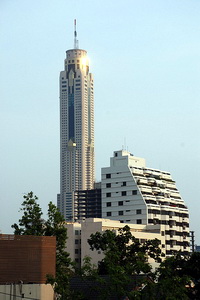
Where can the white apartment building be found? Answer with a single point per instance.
(76, 129)
(135, 194)
(79, 232)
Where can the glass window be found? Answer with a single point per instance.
(138, 211)
(108, 175)
(108, 204)
(109, 214)
(108, 194)
(134, 192)
(123, 193)
(108, 185)
(124, 183)
(120, 203)
(120, 213)
(139, 221)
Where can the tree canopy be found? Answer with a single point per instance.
(124, 259)
(32, 223)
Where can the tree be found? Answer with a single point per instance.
(192, 269)
(178, 277)
(31, 223)
(125, 259)
(54, 226)
(172, 281)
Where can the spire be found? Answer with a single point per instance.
(75, 36)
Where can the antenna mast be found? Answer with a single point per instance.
(75, 36)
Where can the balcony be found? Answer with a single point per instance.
(142, 181)
(147, 173)
(175, 194)
(166, 177)
(150, 197)
(151, 181)
(137, 172)
(171, 186)
(145, 189)
(155, 190)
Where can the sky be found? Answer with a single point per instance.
(145, 57)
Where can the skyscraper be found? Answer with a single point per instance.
(76, 128)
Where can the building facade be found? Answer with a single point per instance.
(79, 232)
(25, 261)
(76, 129)
(135, 194)
(87, 204)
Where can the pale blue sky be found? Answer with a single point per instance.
(145, 57)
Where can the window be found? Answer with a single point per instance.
(139, 221)
(120, 203)
(108, 204)
(108, 175)
(124, 183)
(163, 233)
(108, 185)
(76, 251)
(76, 242)
(76, 232)
(109, 214)
(120, 213)
(134, 192)
(108, 194)
(138, 211)
(124, 193)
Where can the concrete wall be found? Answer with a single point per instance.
(26, 291)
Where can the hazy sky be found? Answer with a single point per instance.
(145, 57)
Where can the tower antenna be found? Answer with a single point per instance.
(75, 36)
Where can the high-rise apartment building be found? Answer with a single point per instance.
(76, 129)
(134, 193)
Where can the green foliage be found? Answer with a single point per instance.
(125, 258)
(172, 281)
(31, 223)
(178, 277)
(124, 250)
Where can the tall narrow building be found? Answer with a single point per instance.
(76, 128)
